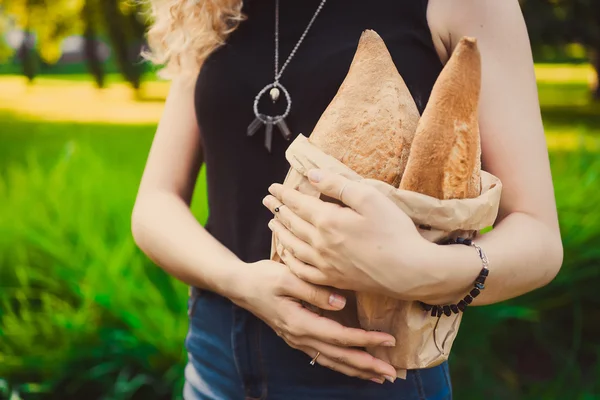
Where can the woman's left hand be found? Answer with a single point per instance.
(369, 246)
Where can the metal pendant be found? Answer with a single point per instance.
(269, 123)
(269, 120)
(274, 93)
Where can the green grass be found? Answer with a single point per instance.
(85, 315)
(82, 310)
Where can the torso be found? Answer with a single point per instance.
(239, 168)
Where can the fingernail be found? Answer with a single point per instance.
(388, 344)
(270, 224)
(389, 378)
(315, 175)
(377, 380)
(337, 301)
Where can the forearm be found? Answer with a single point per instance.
(167, 232)
(524, 254)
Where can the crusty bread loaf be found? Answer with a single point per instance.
(444, 162)
(368, 126)
(370, 123)
(445, 157)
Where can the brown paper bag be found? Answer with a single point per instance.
(422, 341)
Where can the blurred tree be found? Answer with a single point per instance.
(45, 23)
(126, 33)
(90, 46)
(560, 22)
(51, 21)
(28, 56)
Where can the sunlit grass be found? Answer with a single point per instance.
(78, 100)
(565, 73)
(55, 99)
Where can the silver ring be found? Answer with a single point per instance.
(342, 192)
(278, 208)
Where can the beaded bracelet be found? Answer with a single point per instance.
(447, 310)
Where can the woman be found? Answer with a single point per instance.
(249, 336)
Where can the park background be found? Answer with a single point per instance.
(85, 315)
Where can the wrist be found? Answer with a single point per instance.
(454, 268)
(233, 280)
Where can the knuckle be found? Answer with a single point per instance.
(326, 221)
(280, 328)
(314, 296)
(340, 359)
(341, 342)
(299, 273)
(286, 222)
(320, 244)
(293, 329)
(292, 341)
(365, 196)
(329, 186)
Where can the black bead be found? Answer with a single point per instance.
(480, 279)
(447, 311)
(454, 308)
(439, 311)
(462, 305)
(480, 286)
(475, 292)
(434, 311)
(484, 272)
(468, 299)
(464, 241)
(426, 307)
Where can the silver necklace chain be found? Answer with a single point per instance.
(293, 53)
(274, 89)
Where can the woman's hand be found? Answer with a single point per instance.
(272, 293)
(369, 246)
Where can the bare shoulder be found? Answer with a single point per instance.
(487, 20)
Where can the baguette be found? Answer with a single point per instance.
(368, 126)
(444, 163)
(445, 158)
(370, 123)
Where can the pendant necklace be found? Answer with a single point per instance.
(276, 88)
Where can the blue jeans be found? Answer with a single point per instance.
(235, 356)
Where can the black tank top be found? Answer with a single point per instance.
(239, 169)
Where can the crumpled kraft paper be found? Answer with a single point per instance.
(422, 341)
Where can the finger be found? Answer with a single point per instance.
(299, 248)
(304, 271)
(327, 362)
(318, 296)
(358, 196)
(354, 358)
(306, 207)
(283, 213)
(307, 323)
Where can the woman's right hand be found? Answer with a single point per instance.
(273, 293)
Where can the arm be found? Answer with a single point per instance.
(165, 229)
(162, 223)
(524, 248)
(372, 247)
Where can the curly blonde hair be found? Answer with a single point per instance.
(185, 32)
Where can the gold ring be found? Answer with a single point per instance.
(314, 360)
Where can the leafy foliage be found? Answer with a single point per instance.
(85, 315)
